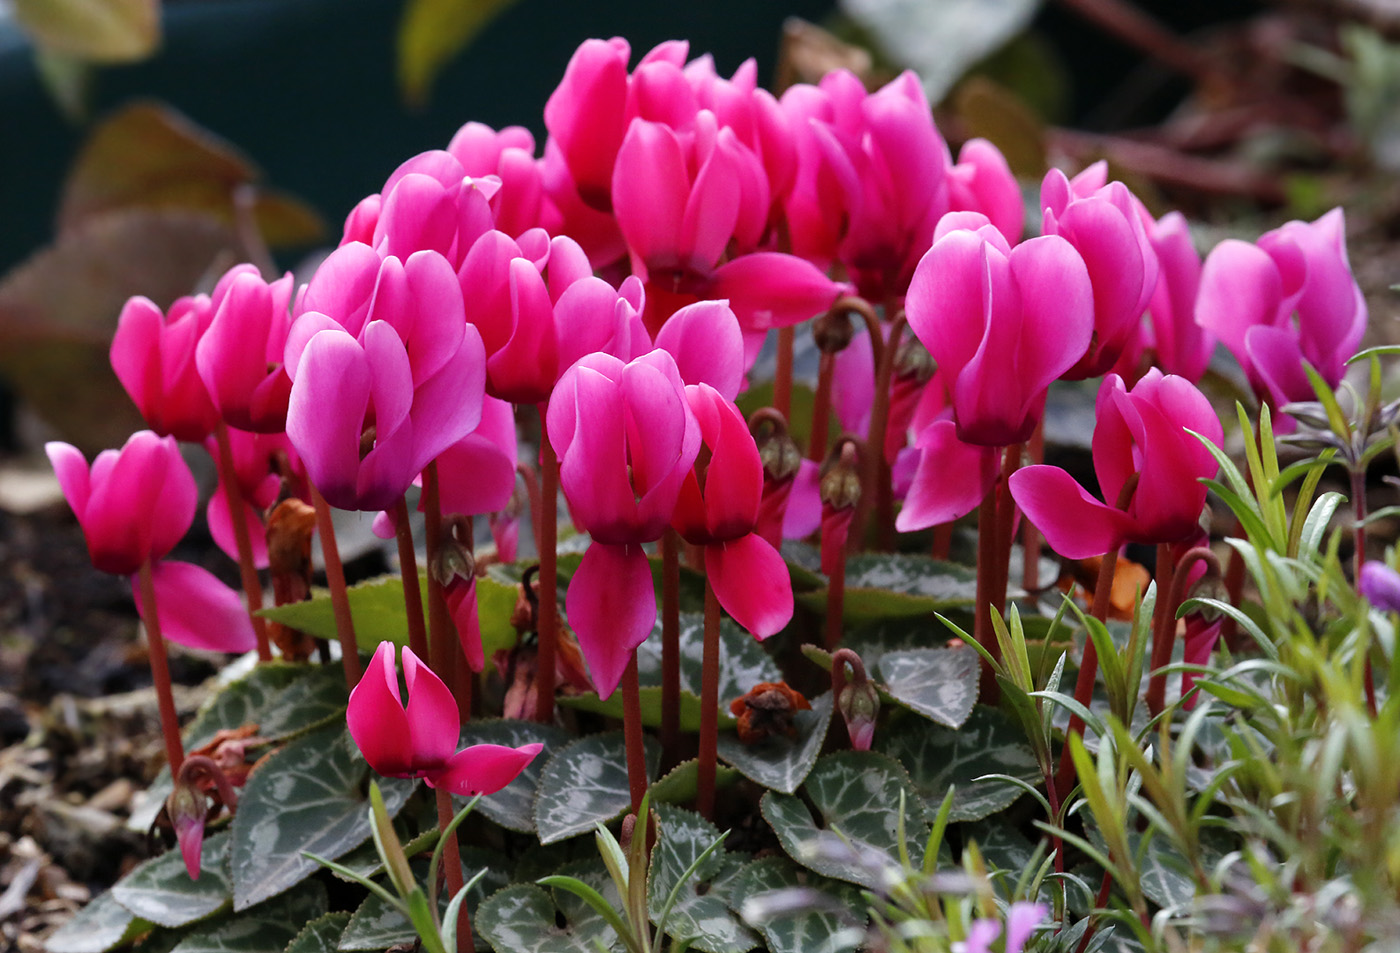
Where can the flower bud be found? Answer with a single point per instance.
(833, 331)
(857, 699)
(188, 808)
(912, 359)
(840, 479)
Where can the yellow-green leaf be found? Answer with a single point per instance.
(104, 31)
(431, 33)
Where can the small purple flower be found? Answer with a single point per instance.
(1381, 586)
(1021, 921)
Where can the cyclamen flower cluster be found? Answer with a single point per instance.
(621, 279)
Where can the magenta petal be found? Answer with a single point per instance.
(196, 609)
(804, 505)
(611, 605)
(752, 583)
(433, 718)
(483, 769)
(950, 481)
(704, 339)
(189, 833)
(1075, 524)
(222, 529)
(71, 468)
(1240, 288)
(770, 289)
(1277, 363)
(650, 186)
(377, 719)
(325, 413)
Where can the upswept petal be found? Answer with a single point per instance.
(447, 406)
(477, 473)
(1276, 363)
(712, 207)
(525, 369)
(417, 212)
(734, 475)
(804, 505)
(342, 288)
(1183, 346)
(433, 316)
(222, 530)
(142, 501)
(591, 461)
(483, 769)
(586, 115)
(1240, 288)
(705, 340)
(612, 607)
(231, 355)
(773, 290)
(1106, 242)
(461, 603)
(71, 469)
(1058, 300)
(376, 717)
(434, 720)
(326, 412)
(134, 345)
(484, 277)
(752, 583)
(1075, 524)
(650, 186)
(656, 419)
(982, 181)
(195, 609)
(949, 299)
(951, 479)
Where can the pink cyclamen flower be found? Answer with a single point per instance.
(1142, 433)
(1182, 346)
(1286, 299)
(587, 116)
(748, 576)
(153, 355)
(626, 440)
(384, 382)
(1107, 226)
(1002, 324)
(510, 156)
(239, 357)
(257, 467)
(1022, 919)
(420, 741)
(133, 505)
(429, 203)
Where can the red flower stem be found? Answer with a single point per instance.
(709, 707)
(452, 869)
(632, 732)
(1088, 670)
(1163, 630)
(465, 683)
(1030, 535)
(548, 519)
(442, 634)
(942, 541)
(335, 581)
(252, 586)
(160, 673)
(821, 408)
(836, 602)
(877, 477)
(982, 629)
(782, 375)
(412, 594)
(670, 648)
(532, 494)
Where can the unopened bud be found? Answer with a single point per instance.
(832, 332)
(451, 562)
(913, 360)
(188, 809)
(857, 699)
(840, 478)
(781, 457)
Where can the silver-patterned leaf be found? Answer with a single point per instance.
(585, 783)
(938, 758)
(309, 796)
(778, 762)
(831, 906)
(854, 836)
(160, 890)
(1003, 846)
(742, 661)
(898, 585)
(940, 684)
(702, 912)
(268, 926)
(100, 926)
(378, 926)
(320, 935)
(524, 918)
(513, 807)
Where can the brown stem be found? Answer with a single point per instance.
(233, 493)
(877, 476)
(548, 520)
(412, 594)
(821, 408)
(1030, 534)
(782, 375)
(452, 869)
(670, 648)
(632, 731)
(335, 581)
(1358, 504)
(1163, 630)
(532, 494)
(709, 707)
(160, 672)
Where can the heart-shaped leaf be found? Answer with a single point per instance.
(524, 918)
(938, 758)
(100, 926)
(160, 890)
(321, 935)
(310, 796)
(897, 585)
(834, 906)
(779, 762)
(650, 698)
(378, 926)
(940, 684)
(270, 925)
(586, 783)
(854, 836)
(701, 913)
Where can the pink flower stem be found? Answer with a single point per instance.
(252, 586)
(444, 649)
(412, 594)
(335, 581)
(1163, 630)
(160, 673)
(670, 648)
(1089, 667)
(782, 375)
(547, 518)
(632, 732)
(942, 541)
(1030, 535)
(878, 479)
(709, 707)
(821, 408)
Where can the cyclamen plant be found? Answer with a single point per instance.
(589, 317)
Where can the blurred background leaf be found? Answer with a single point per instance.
(101, 31)
(431, 33)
